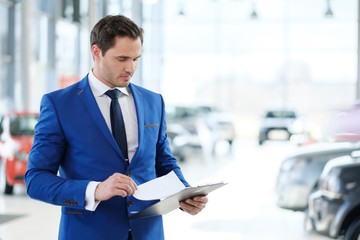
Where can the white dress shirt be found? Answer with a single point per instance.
(127, 105)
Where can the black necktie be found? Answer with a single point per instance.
(117, 121)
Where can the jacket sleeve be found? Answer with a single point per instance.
(41, 178)
(165, 160)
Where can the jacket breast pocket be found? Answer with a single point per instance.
(151, 125)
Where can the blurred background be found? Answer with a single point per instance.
(261, 94)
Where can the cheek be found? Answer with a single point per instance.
(113, 66)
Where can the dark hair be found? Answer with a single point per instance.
(108, 28)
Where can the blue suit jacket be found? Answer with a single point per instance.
(73, 145)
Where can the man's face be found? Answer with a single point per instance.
(119, 63)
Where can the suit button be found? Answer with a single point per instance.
(129, 203)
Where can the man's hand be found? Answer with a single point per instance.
(116, 185)
(194, 205)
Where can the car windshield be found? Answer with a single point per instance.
(22, 125)
(280, 114)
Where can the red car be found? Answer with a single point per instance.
(16, 139)
(344, 124)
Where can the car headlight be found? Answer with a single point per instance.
(293, 164)
(287, 165)
(21, 156)
(330, 184)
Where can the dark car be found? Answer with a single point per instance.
(334, 209)
(299, 173)
(281, 124)
(17, 135)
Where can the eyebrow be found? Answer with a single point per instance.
(121, 56)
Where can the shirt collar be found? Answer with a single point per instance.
(99, 88)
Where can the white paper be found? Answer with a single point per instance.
(159, 188)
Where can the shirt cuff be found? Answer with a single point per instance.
(91, 204)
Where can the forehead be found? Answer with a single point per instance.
(126, 46)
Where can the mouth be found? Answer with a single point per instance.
(125, 77)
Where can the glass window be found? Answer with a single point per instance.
(71, 10)
(4, 57)
(3, 29)
(46, 6)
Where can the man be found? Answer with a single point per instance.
(76, 161)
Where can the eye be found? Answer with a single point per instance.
(122, 59)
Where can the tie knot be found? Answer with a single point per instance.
(113, 93)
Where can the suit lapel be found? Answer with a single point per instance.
(139, 106)
(87, 97)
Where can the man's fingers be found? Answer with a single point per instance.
(202, 199)
(127, 188)
(116, 185)
(194, 205)
(191, 209)
(126, 179)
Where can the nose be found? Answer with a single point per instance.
(130, 66)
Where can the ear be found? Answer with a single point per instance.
(96, 52)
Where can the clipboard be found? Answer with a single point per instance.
(172, 202)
